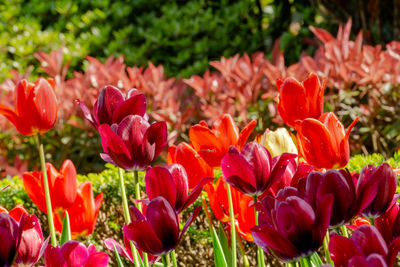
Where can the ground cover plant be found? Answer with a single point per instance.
(249, 163)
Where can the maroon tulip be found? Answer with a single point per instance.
(74, 254)
(388, 223)
(29, 249)
(111, 106)
(289, 227)
(376, 186)
(172, 184)
(366, 247)
(253, 171)
(158, 232)
(340, 185)
(10, 236)
(133, 143)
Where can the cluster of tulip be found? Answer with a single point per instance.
(285, 198)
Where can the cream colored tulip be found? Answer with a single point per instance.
(278, 142)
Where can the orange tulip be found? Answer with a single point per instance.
(35, 107)
(323, 143)
(83, 212)
(213, 144)
(298, 101)
(196, 167)
(62, 185)
(16, 212)
(244, 213)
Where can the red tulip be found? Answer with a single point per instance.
(112, 106)
(35, 107)
(62, 185)
(16, 212)
(366, 247)
(243, 211)
(74, 254)
(376, 187)
(253, 171)
(213, 144)
(298, 101)
(196, 167)
(157, 233)
(323, 143)
(388, 223)
(83, 212)
(172, 184)
(289, 227)
(133, 143)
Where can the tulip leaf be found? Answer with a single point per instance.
(66, 230)
(119, 261)
(316, 260)
(219, 255)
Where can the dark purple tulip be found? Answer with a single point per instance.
(10, 236)
(74, 254)
(158, 232)
(111, 106)
(172, 184)
(376, 187)
(29, 249)
(289, 227)
(365, 247)
(340, 185)
(253, 171)
(133, 143)
(388, 223)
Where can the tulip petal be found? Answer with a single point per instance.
(159, 182)
(314, 94)
(154, 140)
(225, 130)
(31, 241)
(206, 144)
(195, 193)
(54, 258)
(69, 183)
(110, 243)
(342, 249)
(33, 187)
(109, 98)
(245, 133)
(180, 179)
(86, 112)
(46, 104)
(373, 260)
(136, 105)
(363, 236)
(74, 253)
(98, 259)
(189, 222)
(279, 167)
(143, 237)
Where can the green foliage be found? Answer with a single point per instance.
(357, 162)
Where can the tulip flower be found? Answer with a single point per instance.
(157, 233)
(366, 247)
(376, 186)
(213, 144)
(340, 185)
(244, 213)
(277, 142)
(83, 212)
(289, 227)
(388, 223)
(16, 212)
(62, 186)
(172, 184)
(74, 253)
(323, 143)
(10, 236)
(253, 171)
(196, 167)
(35, 107)
(298, 101)
(133, 143)
(112, 106)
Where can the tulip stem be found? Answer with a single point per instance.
(243, 251)
(46, 191)
(173, 258)
(126, 214)
(326, 249)
(233, 231)
(344, 231)
(165, 260)
(371, 221)
(260, 253)
(305, 262)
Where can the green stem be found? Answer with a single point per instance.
(233, 230)
(371, 221)
(243, 251)
(326, 249)
(305, 262)
(126, 214)
(165, 260)
(46, 191)
(344, 231)
(291, 264)
(260, 253)
(173, 257)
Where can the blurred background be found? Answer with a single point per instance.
(197, 59)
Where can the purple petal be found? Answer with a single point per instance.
(373, 260)
(342, 249)
(195, 192)
(143, 237)
(135, 105)
(75, 253)
(31, 240)
(189, 222)
(154, 140)
(279, 167)
(86, 112)
(238, 173)
(99, 259)
(53, 257)
(159, 182)
(135, 214)
(180, 177)
(370, 240)
(109, 243)
(322, 217)
(110, 97)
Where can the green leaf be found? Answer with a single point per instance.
(225, 244)
(66, 230)
(219, 255)
(119, 261)
(316, 260)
